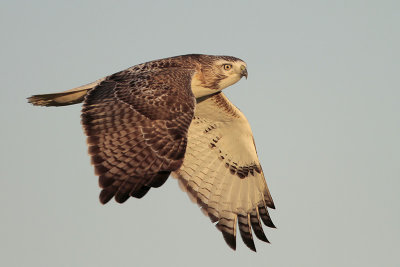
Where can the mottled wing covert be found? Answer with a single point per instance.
(221, 171)
(137, 123)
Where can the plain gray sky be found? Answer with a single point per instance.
(322, 97)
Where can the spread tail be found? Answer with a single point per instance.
(70, 97)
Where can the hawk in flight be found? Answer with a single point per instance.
(169, 116)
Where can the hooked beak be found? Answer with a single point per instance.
(243, 71)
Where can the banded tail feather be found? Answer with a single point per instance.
(70, 97)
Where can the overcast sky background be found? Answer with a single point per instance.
(322, 98)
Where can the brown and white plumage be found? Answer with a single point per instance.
(221, 170)
(169, 115)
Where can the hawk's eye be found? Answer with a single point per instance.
(227, 66)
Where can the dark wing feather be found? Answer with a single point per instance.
(137, 124)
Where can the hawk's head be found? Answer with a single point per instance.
(215, 73)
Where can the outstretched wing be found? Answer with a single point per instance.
(137, 123)
(222, 173)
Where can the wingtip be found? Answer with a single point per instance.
(106, 195)
(271, 205)
(272, 225)
(230, 240)
(250, 244)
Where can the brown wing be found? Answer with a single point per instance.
(137, 124)
(221, 171)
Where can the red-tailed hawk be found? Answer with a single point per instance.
(170, 116)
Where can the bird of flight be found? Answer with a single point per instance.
(169, 116)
